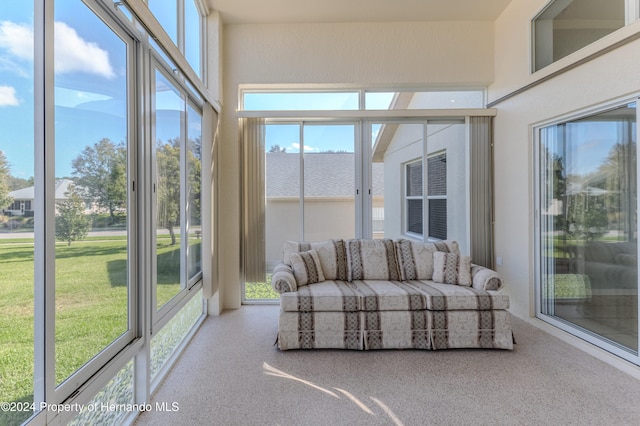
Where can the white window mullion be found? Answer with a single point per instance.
(632, 11)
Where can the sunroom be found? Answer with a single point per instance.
(199, 135)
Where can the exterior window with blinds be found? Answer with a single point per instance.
(413, 195)
(437, 195)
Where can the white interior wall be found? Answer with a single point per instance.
(612, 76)
(403, 55)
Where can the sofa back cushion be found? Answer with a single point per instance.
(415, 259)
(372, 260)
(332, 255)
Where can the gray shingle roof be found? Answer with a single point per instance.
(327, 174)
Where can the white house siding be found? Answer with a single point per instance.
(406, 146)
(363, 54)
(608, 77)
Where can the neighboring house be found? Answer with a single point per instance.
(439, 209)
(329, 198)
(23, 199)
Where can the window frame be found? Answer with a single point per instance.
(538, 193)
(81, 386)
(631, 15)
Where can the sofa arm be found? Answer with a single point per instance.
(484, 278)
(283, 279)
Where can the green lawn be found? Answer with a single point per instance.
(91, 307)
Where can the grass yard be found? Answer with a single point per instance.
(91, 307)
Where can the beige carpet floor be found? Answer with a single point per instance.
(232, 374)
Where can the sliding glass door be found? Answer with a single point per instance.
(588, 236)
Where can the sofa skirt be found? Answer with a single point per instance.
(395, 330)
(318, 330)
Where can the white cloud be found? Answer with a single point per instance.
(8, 96)
(72, 52)
(17, 39)
(307, 148)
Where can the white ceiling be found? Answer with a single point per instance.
(289, 11)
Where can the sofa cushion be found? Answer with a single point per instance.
(451, 268)
(332, 296)
(447, 297)
(380, 295)
(415, 259)
(332, 255)
(372, 260)
(306, 267)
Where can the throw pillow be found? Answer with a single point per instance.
(306, 267)
(332, 255)
(415, 259)
(451, 268)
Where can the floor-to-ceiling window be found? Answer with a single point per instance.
(588, 233)
(100, 174)
(337, 175)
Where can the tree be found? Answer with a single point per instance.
(102, 170)
(168, 185)
(194, 157)
(5, 199)
(277, 149)
(19, 183)
(71, 222)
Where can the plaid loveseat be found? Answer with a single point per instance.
(384, 294)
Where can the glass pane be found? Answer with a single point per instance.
(432, 99)
(448, 182)
(377, 185)
(282, 212)
(165, 342)
(414, 179)
(193, 35)
(16, 208)
(394, 146)
(169, 110)
(166, 12)
(589, 225)
(297, 101)
(414, 216)
(329, 182)
(91, 256)
(194, 153)
(116, 394)
(566, 26)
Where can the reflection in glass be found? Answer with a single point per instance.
(169, 110)
(588, 199)
(194, 206)
(17, 205)
(193, 35)
(91, 256)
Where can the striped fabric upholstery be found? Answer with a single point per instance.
(451, 268)
(415, 259)
(332, 255)
(306, 267)
(317, 330)
(471, 329)
(329, 296)
(372, 260)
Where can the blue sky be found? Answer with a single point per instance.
(90, 86)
